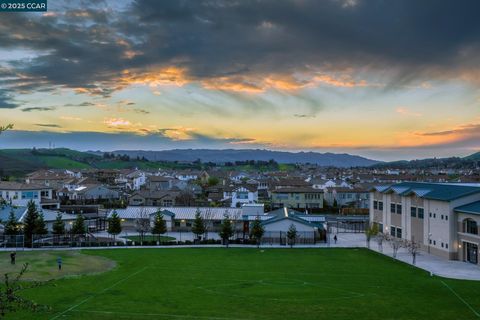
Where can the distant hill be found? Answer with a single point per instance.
(232, 155)
(474, 157)
(471, 161)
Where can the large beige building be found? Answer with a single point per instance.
(442, 217)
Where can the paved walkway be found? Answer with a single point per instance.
(433, 264)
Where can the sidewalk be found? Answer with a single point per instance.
(438, 266)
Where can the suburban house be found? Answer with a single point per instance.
(239, 195)
(155, 183)
(93, 192)
(442, 217)
(153, 198)
(345, 197)
(297, 197)
(19, 194)
(133, 179)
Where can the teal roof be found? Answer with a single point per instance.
(434, 191)
(472, 208)
(288, 214)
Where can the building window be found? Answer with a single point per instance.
(442, 244)
(413, 211)
(392, 231)
(470, 226)
(434, 215)
(430, 214)
(441, 217)
(399, 233)
(446, 218)
(430, 241)
(434, 243)
(392, 207)
(380, 205)
(420, 213)
(446, 245)
(399, 208)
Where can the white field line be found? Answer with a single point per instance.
(94, 295)
(461, 299)
(168, 315)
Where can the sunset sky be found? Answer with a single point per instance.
(382, 79)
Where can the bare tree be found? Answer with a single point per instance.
(381, 237)
(396, 244)
(142, 224)
(413, 247)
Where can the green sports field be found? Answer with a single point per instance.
(218, 283)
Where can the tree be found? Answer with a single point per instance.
(30, 222)
(114, 225)
(212, 181)
(396, 244)
(159, 225)
(292, 235)
(11, 226)
(78, 226)
(10, 301)
(41, 227)
(257, 231)
(381, 237)
(413, 247)
(5, 128)
(226, 231)
(58, 227)
(142, 224)
(335, 203)
(198, 227)
(370, 231)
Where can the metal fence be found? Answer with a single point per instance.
(16, 241)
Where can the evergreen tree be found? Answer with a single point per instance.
(257, 231)
(198, 227)
(58, 225)
(30, 222)
(11, 226)
(159, 225)
(78, 226)
(292, 234)
(41, 227)
(227, 230)
(114, 225)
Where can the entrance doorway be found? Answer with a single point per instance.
(471, 252)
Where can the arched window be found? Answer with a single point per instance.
(470, 226)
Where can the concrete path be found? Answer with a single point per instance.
(433, 264)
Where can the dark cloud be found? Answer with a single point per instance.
(30, 109)
(6, 101)
(88, 48)
(48, 125)
(83, 104)
(297, 115)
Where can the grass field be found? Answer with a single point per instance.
(232, 284)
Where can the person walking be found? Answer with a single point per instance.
(59, 262)
(13, 255)
(335, 239)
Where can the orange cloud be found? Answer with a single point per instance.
(116, 122)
